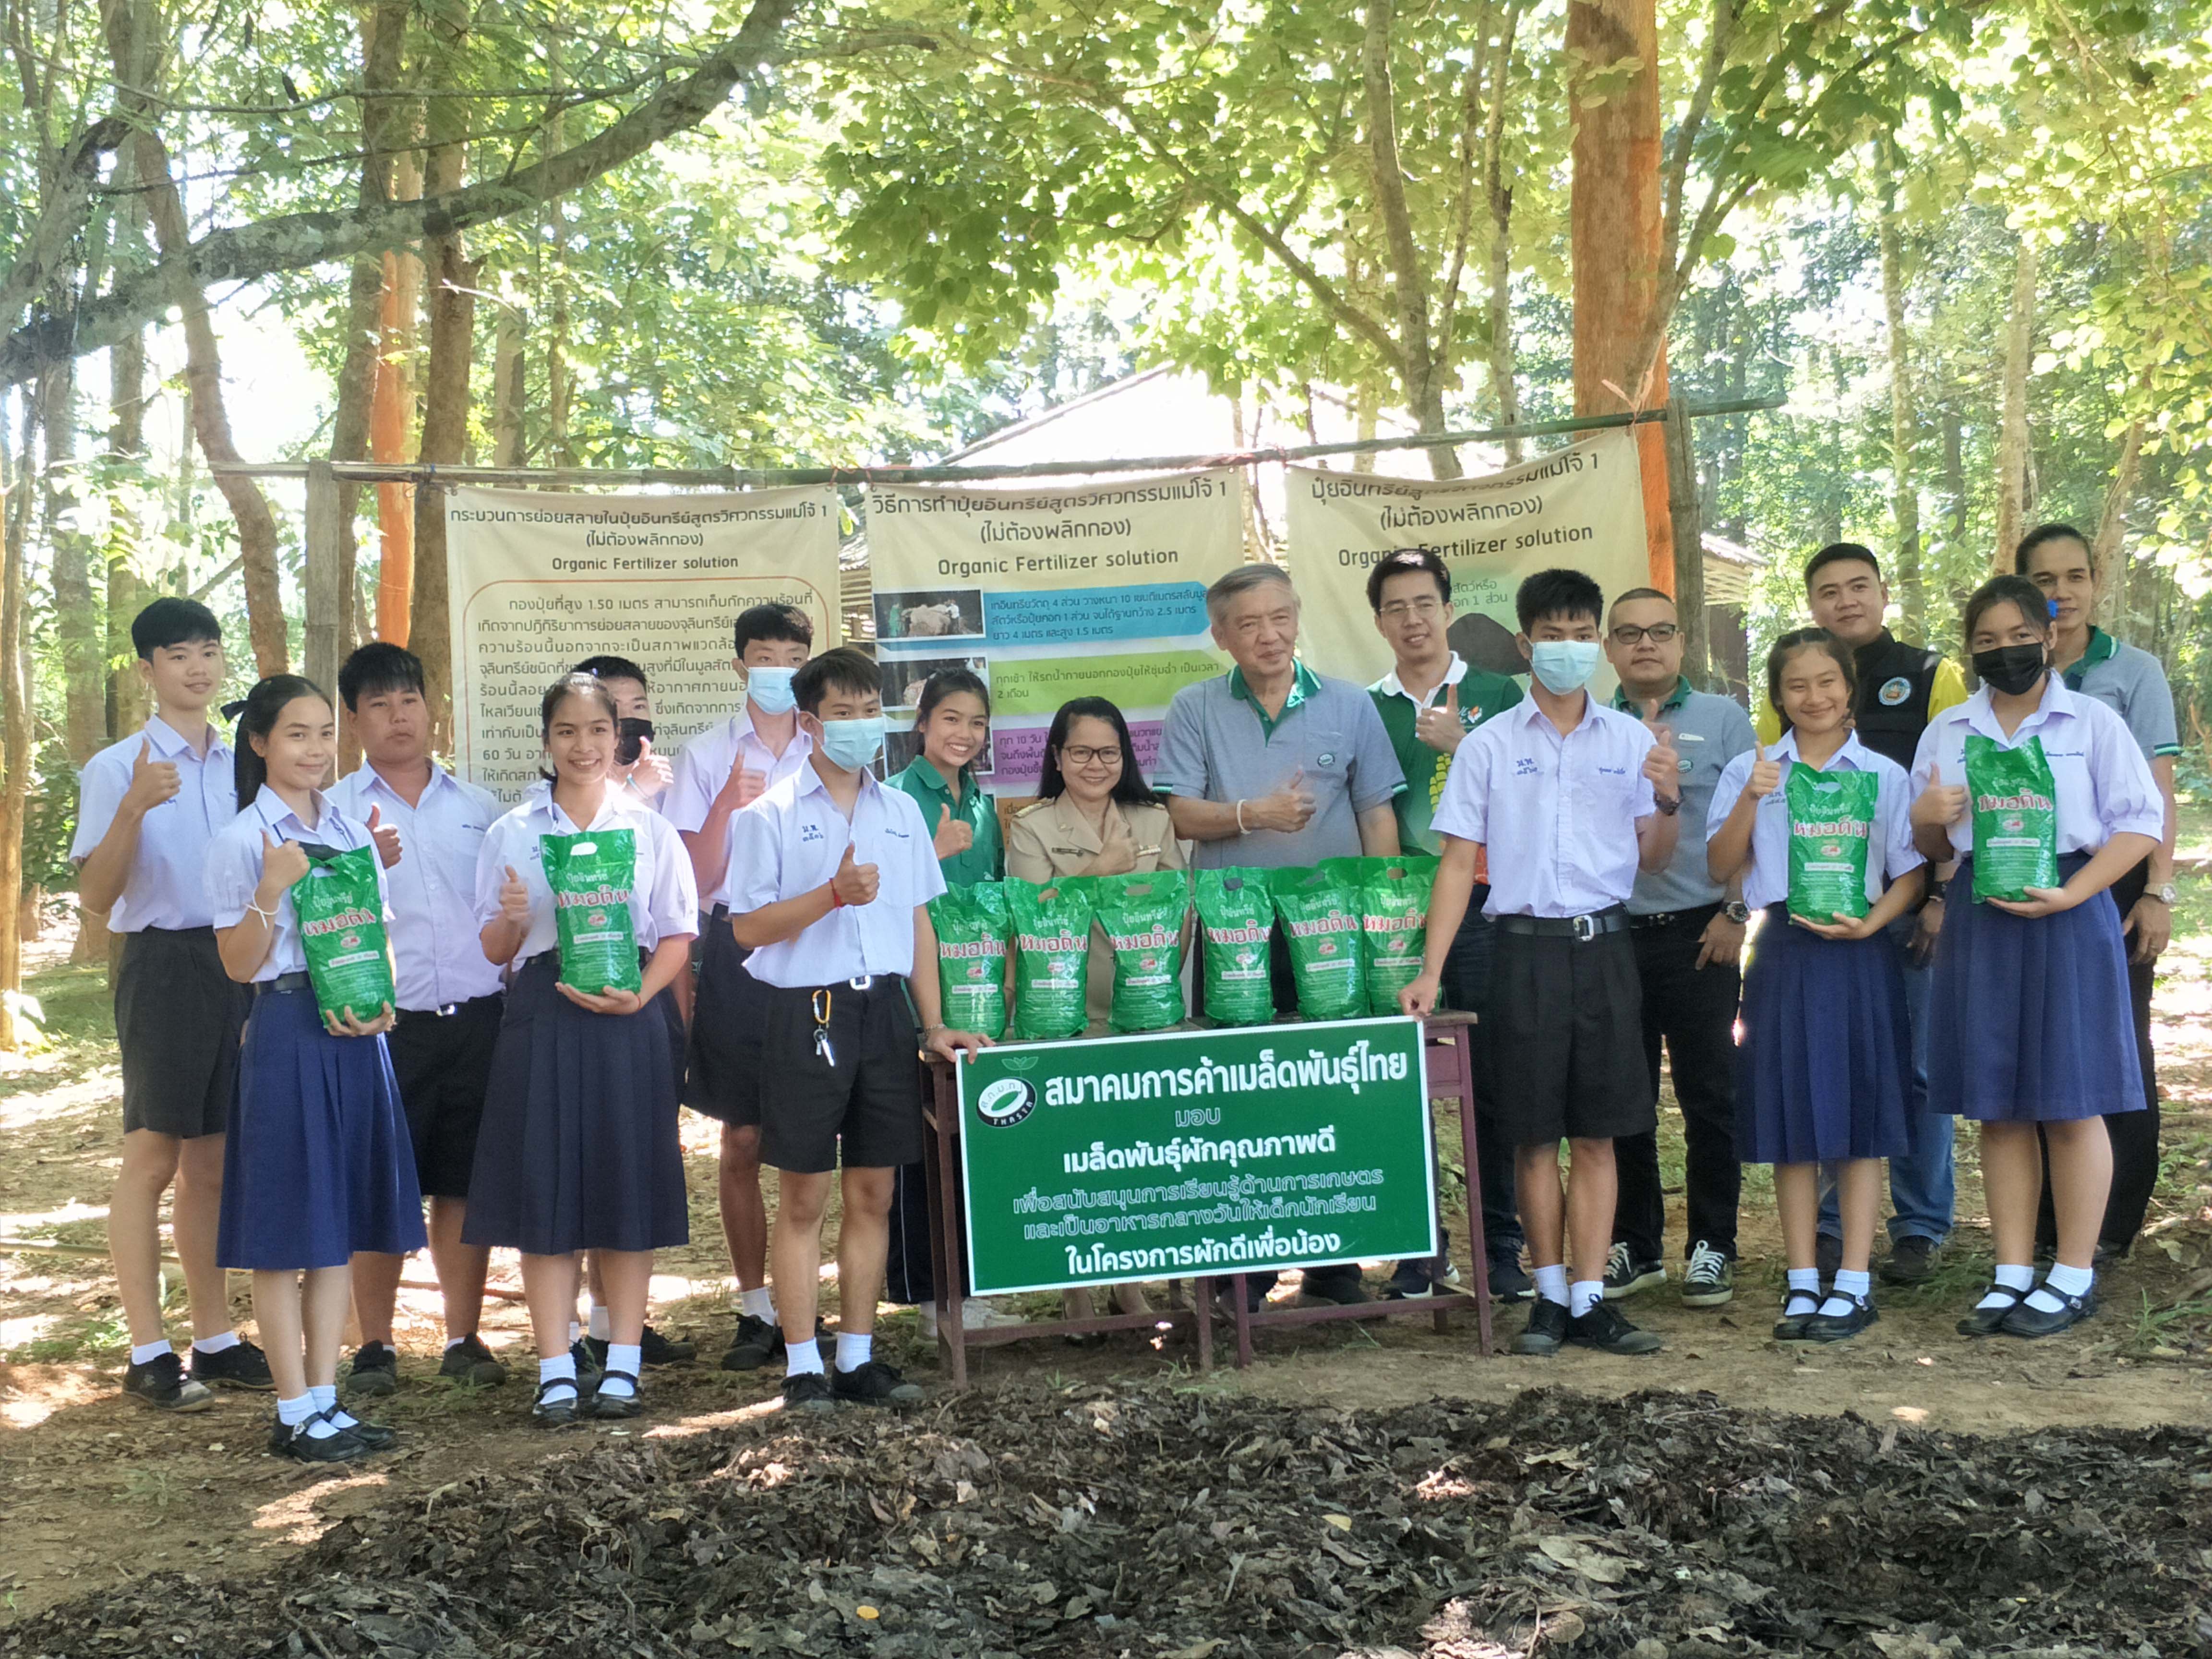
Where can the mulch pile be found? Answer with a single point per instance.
(1166, 1524)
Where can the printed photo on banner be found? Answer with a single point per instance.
(947, 613)
(904, 677)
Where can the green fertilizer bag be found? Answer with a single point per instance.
(1319, 909)
(1236, 925)
(1393, 925)
(972, 925)
(1052, 956)
(1831, 837)
(2015, 807)
(340, 906)
(1142, 916)
(590, 876)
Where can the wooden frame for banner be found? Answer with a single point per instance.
(1451, 1077)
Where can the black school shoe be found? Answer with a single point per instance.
(469, 1361)
(874, 1384)
(1509, 1281)
(753, 1345)
(287, 1440)
(241, 1365)
(1987, 1322)
(616, 1405)
(562, 1414)
(2025, 1320)
(375, 1370)
(1606, 1328)
(653, 1349)
(161, 1382)
(1332, 1287)
(377, 1437)
(807, 1391)
(1546, 1329)
(588, 1368)
(1790, 1328)
(1841, 1328)
(1911, 1260)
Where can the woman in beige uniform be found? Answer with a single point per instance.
(1094, 816)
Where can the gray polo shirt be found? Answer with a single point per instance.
(1217, 745)
(2131, 682)
(1710, 731)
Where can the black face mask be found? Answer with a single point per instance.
(2011, 669)
(631, 737)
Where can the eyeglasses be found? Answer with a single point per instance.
(1070, 756)
(1399, 609)
(1658, 633)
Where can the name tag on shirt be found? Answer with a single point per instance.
(809, 832)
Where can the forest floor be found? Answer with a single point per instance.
(1363, 1488)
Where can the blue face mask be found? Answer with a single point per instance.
(1564, 666)
(769, 691)
(853, 744)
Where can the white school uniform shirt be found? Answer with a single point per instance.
(1557, 814)
(168, 885)
(664, 897)
(233, 869)
(704, 765)
(1890, 851)
(431, 892)
(792, 840)
(2104, 784)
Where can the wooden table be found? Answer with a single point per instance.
(1450, 1077)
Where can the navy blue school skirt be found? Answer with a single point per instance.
(1825, 1068)
(2029, 1019)
(319, 1164)
(579, 1148)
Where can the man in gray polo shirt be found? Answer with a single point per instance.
(1688, 932)
(1273, 765)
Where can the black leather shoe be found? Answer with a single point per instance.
(557, 1413)
(2025, 1320)
(287, 1440)
(1987, 1322)
(1911, 1260)
(616, 1405)
(1545, 1331)
(1841, 1328)
(240, 1365)
(1790, 1328)
(377, 1437)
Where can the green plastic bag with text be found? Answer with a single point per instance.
(1319, 911)
(2015, 807)
(973, 924)
(591, 876)
(1235, 927)
(1052, 956)
(1393, 925)
(1142, 915)
(1831, 838)
(340, 905)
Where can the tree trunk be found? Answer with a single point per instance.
(14, 716)
(128, 703)
(391, 420)
(1617, 241)
(445, 438)
(2106, 552)
(2015, 494)
(1904, 489)
(76, 621)
(509, 388)
(1497, 195)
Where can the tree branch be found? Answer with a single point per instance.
(67, 208)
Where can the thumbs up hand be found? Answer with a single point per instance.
(385, 835)
(952, 837)
(1439, 726)
(282, 865)
(855, 883)
(1765, 773)
(514, 899)
(1287, 809)
(152, 781)
(1663, 766)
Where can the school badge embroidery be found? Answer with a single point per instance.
(1894, 691)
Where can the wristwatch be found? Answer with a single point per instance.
(1736, 911)
(2166, 895)
(1668, 805)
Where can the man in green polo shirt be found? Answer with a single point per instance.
(1429, 701)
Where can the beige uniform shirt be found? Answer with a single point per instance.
(1049, 838)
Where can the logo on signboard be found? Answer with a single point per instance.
(1895, 691)
(1005, 1102)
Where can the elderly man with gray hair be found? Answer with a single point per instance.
(1274, 765)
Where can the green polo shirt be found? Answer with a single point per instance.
(1482, 696)
(1303, 683)
(985, 859)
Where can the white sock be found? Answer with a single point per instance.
(221, 1341)
(1551, 1283)
(758, 1303)
(1804, 1284)
(326, 1401)
(621, 1357)
(293, 1413)
(2013, 1278)
(853, 1350)
(1584, 1295)
(802, 1358)
(1847, 1284)
(601, 1326)
(146, 1353)
(576, 1332)
(2065, 1281)
(453, 1342)
(562, 1369)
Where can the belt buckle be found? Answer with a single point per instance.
(1585, 929)
(861, 982)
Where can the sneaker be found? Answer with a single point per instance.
(808, 1391)
(653, 1348)
(754, 1344)
(1509, 1282)
(1546, 1330)
(1911, 1260)
(287, 1440)
(1828, 1255)
(241, 1365)
(375, 1370)
(1409, 1280)
(1710, 1280)
(1607, 1329)
(1625, 1275)
(1841, 1328)
(469, 1361)
(1332, 1287)
(874, 1384)
(161, 1382)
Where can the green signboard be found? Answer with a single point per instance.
(1191, 1153)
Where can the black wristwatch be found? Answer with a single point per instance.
(1668, 805)
(1736, 911)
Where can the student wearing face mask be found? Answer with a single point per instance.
(2031, 1028)
(637, 767)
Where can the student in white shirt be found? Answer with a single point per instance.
(1570, 798)
(446, 1024)
(833, 876)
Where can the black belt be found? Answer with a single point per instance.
(286, 984)
(404, 1015)
(1702, 913)
(1581, 928)
(858, 982)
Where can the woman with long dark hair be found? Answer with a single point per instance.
(953, 719)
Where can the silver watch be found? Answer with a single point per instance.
(1736, 911)
(2166, 895)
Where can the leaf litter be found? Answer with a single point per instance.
(1158, 1523)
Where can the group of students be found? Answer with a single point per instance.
(1598, 866)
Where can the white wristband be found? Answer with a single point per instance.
(1241, 829)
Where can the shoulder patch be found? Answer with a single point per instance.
(1033, 806)
(1894, 691)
